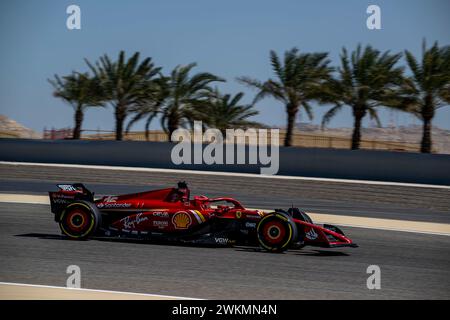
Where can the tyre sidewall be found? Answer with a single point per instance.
(278, 219)
(88, 211)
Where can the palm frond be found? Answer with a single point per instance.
(374, 116)
(330, 114)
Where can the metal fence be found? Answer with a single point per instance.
(57, 134)
(299, 140)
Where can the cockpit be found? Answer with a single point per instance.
(181, 193)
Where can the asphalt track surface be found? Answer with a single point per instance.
(413, 266)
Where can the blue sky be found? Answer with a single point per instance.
(229, 38)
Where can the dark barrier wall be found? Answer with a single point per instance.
(325, 163)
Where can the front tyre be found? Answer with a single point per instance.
(79, 220)
(276, 232)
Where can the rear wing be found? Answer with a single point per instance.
(67, 194)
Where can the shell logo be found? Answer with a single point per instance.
(181, 220)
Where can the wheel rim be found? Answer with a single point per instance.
(274, 232)
(77, 220)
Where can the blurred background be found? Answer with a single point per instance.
(228, 40)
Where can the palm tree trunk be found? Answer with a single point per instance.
(427, 116)
(78, 122)
(147, 127)
(120, 119)
(426, 136)
(172, 125)
(356, 136)
(290, 127)
(171, 130)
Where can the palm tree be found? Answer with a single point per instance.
(125, 83)
(428, 89)
(299, 80)
(185, 95)
(226, 112)
(80, 91)
(150, 105)
(366, 80)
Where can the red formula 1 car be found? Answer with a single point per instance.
(170, 215)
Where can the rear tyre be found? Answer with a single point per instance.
(79, 220)
(276, 232)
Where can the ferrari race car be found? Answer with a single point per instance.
(171, 215)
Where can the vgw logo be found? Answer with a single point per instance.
(221, 150)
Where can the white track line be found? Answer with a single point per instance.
(341, 220)
(422, 227)
(226, 174)
(24, 198)
(99, 294)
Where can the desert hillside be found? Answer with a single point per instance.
(401, 134)
(12, 129)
